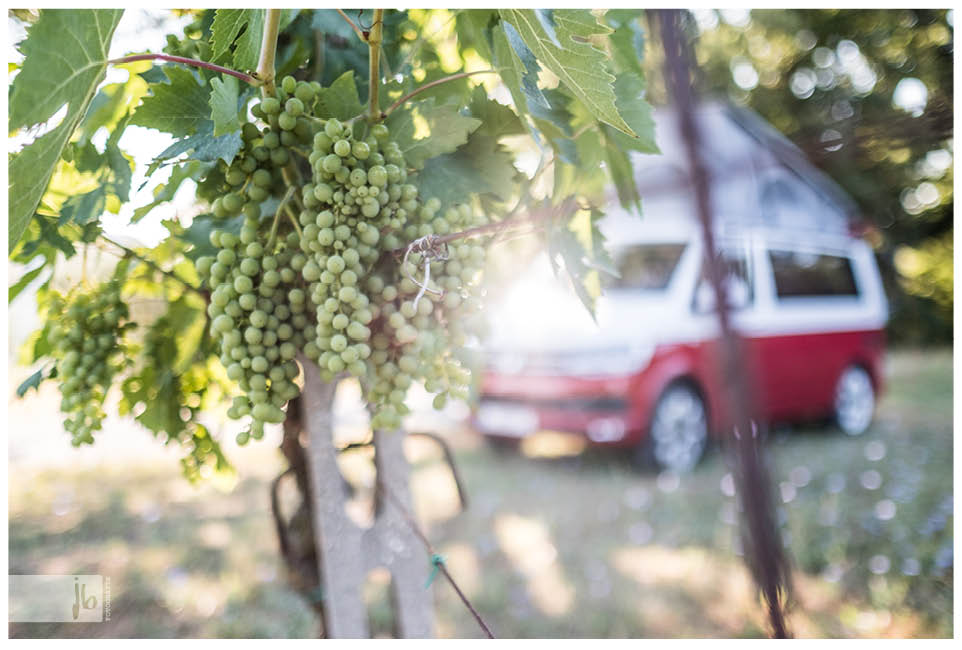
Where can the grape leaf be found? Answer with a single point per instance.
(48, 82)
(564, 242)
(49, 78)
(20, 285)
(246, 27)
(557, 113)
(227, 25)
(479, 167)
(203, 146)
(340, 100)
(178, 107)
(84, 208)
(546, 18)
(499, 120)
(519, 69)
(33, 381)
(628, 40)
(630, 89)
(247, 50)
(474, 29)
(577, 63)
(223, 101)
(423, 130)
(619, 166)
(166, 191)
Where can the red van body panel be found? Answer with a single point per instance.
(792, 376)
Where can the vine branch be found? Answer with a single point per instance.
(197, 63)
(374, 38)
(265, 66)
(357, 30)
(497, 227)
(428, 86)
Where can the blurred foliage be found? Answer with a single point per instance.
(828, 79)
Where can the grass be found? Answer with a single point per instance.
(553, 544)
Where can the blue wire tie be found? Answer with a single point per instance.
(436, 561)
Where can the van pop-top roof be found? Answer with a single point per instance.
(759, 180)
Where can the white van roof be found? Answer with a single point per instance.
(761, 184)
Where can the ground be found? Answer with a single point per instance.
(556, 541)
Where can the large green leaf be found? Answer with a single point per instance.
(424, 130)
(243, 28)
(628, 39)
(580, 65)
(499, 120)
(224, 107)
(227, 25)
(164, 192)
(519, 69)
(630, 90)
(340, 100)
(480, 167)
(177, 107)
(48, 81)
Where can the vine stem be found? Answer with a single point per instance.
(357, 30)
(277, 217)
(197, 63)
(374, 37)
(265, 66)
(428, 86)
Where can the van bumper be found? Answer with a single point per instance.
(606, 411)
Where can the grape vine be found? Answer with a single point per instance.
(334, 234)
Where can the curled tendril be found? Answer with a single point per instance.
(431, 249)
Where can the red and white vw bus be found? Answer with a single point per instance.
(809, 305)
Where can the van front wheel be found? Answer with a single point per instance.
(679, 429)
(854, 401)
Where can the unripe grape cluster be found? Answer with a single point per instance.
(320, 272)
(259, 315)
(87, 337)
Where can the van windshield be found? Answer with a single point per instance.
(646, 267)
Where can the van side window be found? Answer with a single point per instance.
(738, 284)
(804, 274)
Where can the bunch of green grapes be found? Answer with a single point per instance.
(87, 336)
(442, 315)
(259, 309)
(261, 317)
(370, 320)
(319, 261)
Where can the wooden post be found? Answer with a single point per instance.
(346, 553)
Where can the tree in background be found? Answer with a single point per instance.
(867, 95)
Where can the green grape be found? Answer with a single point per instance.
(270, 106)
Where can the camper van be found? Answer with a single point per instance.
(804, 291)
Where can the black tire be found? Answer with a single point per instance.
(678, 432)
(854, 405)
